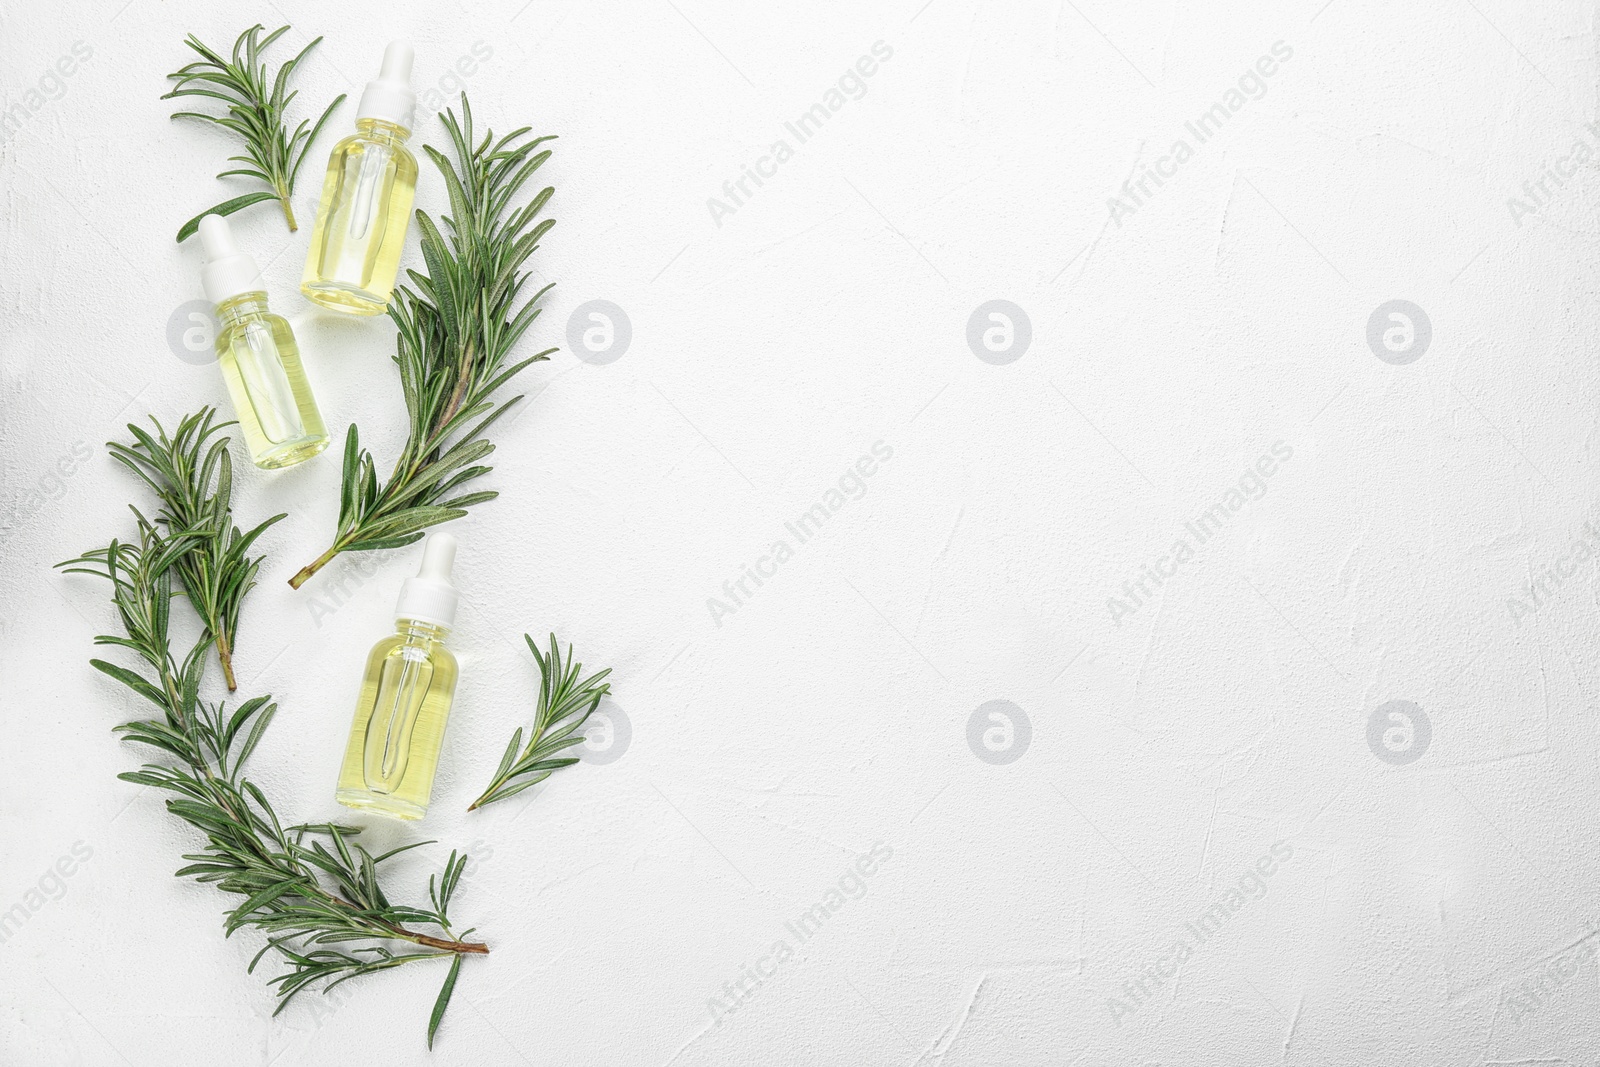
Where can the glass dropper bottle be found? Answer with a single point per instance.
(258, 355)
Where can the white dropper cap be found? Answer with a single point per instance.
(389, 98)
(227, 272)
(429, 597)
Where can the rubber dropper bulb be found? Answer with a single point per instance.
(397, 63)
(216, 237)
(227, 272)
(388, 97)
(430, 596)
(438, 558)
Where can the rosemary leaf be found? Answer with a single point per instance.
(566, 700)
(256, 115)
(191, 474)
(443, 1002)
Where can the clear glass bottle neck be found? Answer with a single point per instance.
(381, 130)
(417, 630)
(237, 307)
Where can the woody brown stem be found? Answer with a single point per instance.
(459, 947)
(476, 948)
(225, 657)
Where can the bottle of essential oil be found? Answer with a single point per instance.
(258, 355)
(366, 198)
(405, 698)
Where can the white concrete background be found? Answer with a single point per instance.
(1171, 348)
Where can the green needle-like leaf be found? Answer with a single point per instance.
(227, 207)
(443, 1002)
(192, 475)
(255, 114)
(566, 700)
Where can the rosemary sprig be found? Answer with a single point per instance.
(312, 889)
(194, 483)
(256, 109)
(457, 324)
(566, 700)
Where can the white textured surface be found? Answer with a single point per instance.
(829, 711)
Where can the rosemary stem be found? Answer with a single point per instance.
(225, 657)
(304, 573)
(463, 375)
(379, 927)
(288, 207)
(461, 948)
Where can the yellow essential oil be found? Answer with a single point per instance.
(259, 358)
(406, 693)
(261, 365)
(399, 723)
(366, 199)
